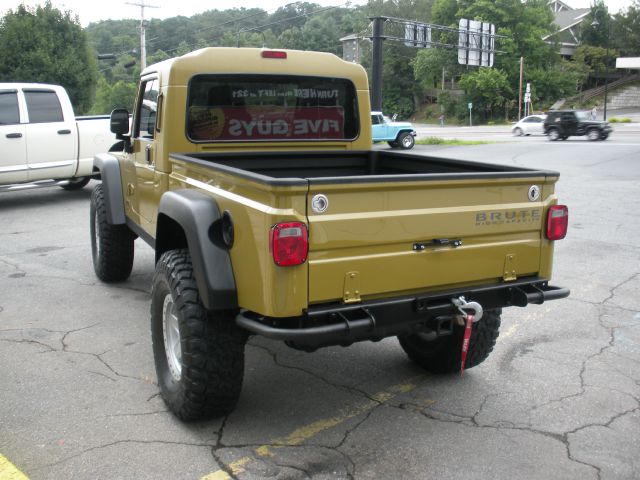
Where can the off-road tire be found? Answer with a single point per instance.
(442, 354)
(554, 134)
(604, 136)
(593, 134)
(111, 245)
(393, 144)
(76, 183)
(406, 141)
(210, 363)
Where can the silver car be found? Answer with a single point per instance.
(531, 125)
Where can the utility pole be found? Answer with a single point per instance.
(520, 96)
(143, 26)
(376, 68)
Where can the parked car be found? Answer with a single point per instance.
(561, 124)
(396, 134)
(41, 140)
(530, 125)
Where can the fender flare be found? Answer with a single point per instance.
(112, 187)
(197, 215)
(404, 130)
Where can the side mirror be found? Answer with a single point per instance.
(120, 122)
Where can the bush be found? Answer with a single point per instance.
(620, 120)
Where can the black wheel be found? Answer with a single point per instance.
(199, 355)
(564, 137)
(111, 245)
(76, 183)
(406, 141)
(518, 132)
(393, 144)
(554, 134)
(604, 136)
(442, 354)
(593, 134)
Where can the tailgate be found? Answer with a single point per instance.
(390, 238)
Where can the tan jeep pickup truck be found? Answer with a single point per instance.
(250, 171)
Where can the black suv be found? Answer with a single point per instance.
(561, 124)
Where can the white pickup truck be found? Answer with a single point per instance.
(42, 142)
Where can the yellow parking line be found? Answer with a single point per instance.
(219, 475)
(307, 432)
(8, 471)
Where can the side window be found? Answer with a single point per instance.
(43, 106)
(147, 109)
(375, 120)
(9, 111)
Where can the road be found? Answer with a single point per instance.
(558, 398)
(622, 133)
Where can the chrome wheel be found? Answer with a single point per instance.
(407, 141)
(171, 334)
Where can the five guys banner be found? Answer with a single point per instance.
(266, 123)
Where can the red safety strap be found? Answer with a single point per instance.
(465, 343)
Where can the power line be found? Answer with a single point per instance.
(270, 24)
(258, 28)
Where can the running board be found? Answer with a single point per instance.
(31, 186)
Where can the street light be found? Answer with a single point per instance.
(596, 24)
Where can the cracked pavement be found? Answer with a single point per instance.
(558, 398)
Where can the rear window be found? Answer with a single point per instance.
(43, 106)
(271, 107)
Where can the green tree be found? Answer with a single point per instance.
(525, 24)
(593, 58)
(46, 45)
(625, 31)
(595, 27)
(444, 12)
(119, 95)
(487, 88)
(292, 15)
(429, 64)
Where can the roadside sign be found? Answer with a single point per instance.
(470, 105)
(476, 43)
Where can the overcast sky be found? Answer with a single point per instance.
(93, 11)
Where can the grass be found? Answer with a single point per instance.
(620, 120)
(453, 141)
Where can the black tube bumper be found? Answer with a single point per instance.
(343, 324)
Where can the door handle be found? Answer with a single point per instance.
(14, 135)
(147, 154)
(64, 132)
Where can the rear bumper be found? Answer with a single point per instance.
(339, 324)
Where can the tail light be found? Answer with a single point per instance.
(557, 222)
(289, 243)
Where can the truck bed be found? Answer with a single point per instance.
(394, 223)
(283, 168)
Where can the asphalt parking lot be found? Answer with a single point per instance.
(559, 398)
